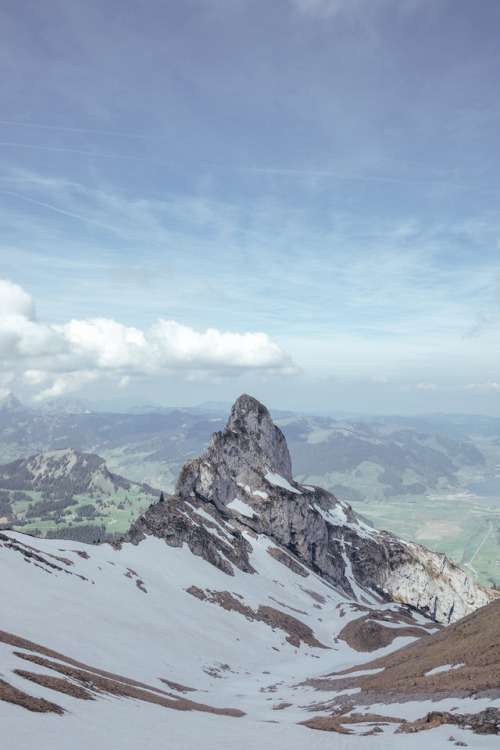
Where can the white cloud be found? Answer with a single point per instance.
(20, 334)
(488, 386)
(62, 382)
(177, 344)
(15, 301)
(103, 343)
(58, 359)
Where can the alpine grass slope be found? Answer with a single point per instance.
(243, 610)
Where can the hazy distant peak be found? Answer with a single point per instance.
(10, 402)
(65, 406)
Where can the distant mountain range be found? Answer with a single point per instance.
(412, 455)
(407, 475)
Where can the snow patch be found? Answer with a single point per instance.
(241, 507)
(443, 668)
(357, 673)
(334, 515)
(280, 481)
(248, 489)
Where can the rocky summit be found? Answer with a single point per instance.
(242, 487)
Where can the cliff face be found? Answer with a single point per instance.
(243, 486)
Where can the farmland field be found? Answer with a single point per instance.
(467, 532)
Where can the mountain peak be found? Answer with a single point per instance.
(249, 450)
(242, 489)
(246, 403)
(251, 422)
(10, 402)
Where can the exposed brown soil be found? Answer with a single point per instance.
(287, 606)
(114, 685)
(33, 555)
(483, 722)
(29, 553)
(473, 642)
(177, 686)
(297, 631)
(59, 684)
(368, 634)
(11, 694)
(337, 721)
(84, 682)
(314, 595)
(81, 553)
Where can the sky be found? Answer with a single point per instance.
(296, 199)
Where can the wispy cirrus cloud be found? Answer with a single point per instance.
(323, 271)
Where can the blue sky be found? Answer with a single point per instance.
(296, 199)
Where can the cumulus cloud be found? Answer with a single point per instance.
(20, 333)
(15, 301)
(58, 359)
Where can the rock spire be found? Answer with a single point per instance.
(242, 490)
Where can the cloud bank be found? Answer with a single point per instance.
(59, 359)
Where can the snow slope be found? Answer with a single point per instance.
(128, 611)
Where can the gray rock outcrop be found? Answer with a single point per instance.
(243, 486)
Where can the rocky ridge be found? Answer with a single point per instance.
(243, 486)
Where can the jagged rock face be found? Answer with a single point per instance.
(256, 434)
(243, 483)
